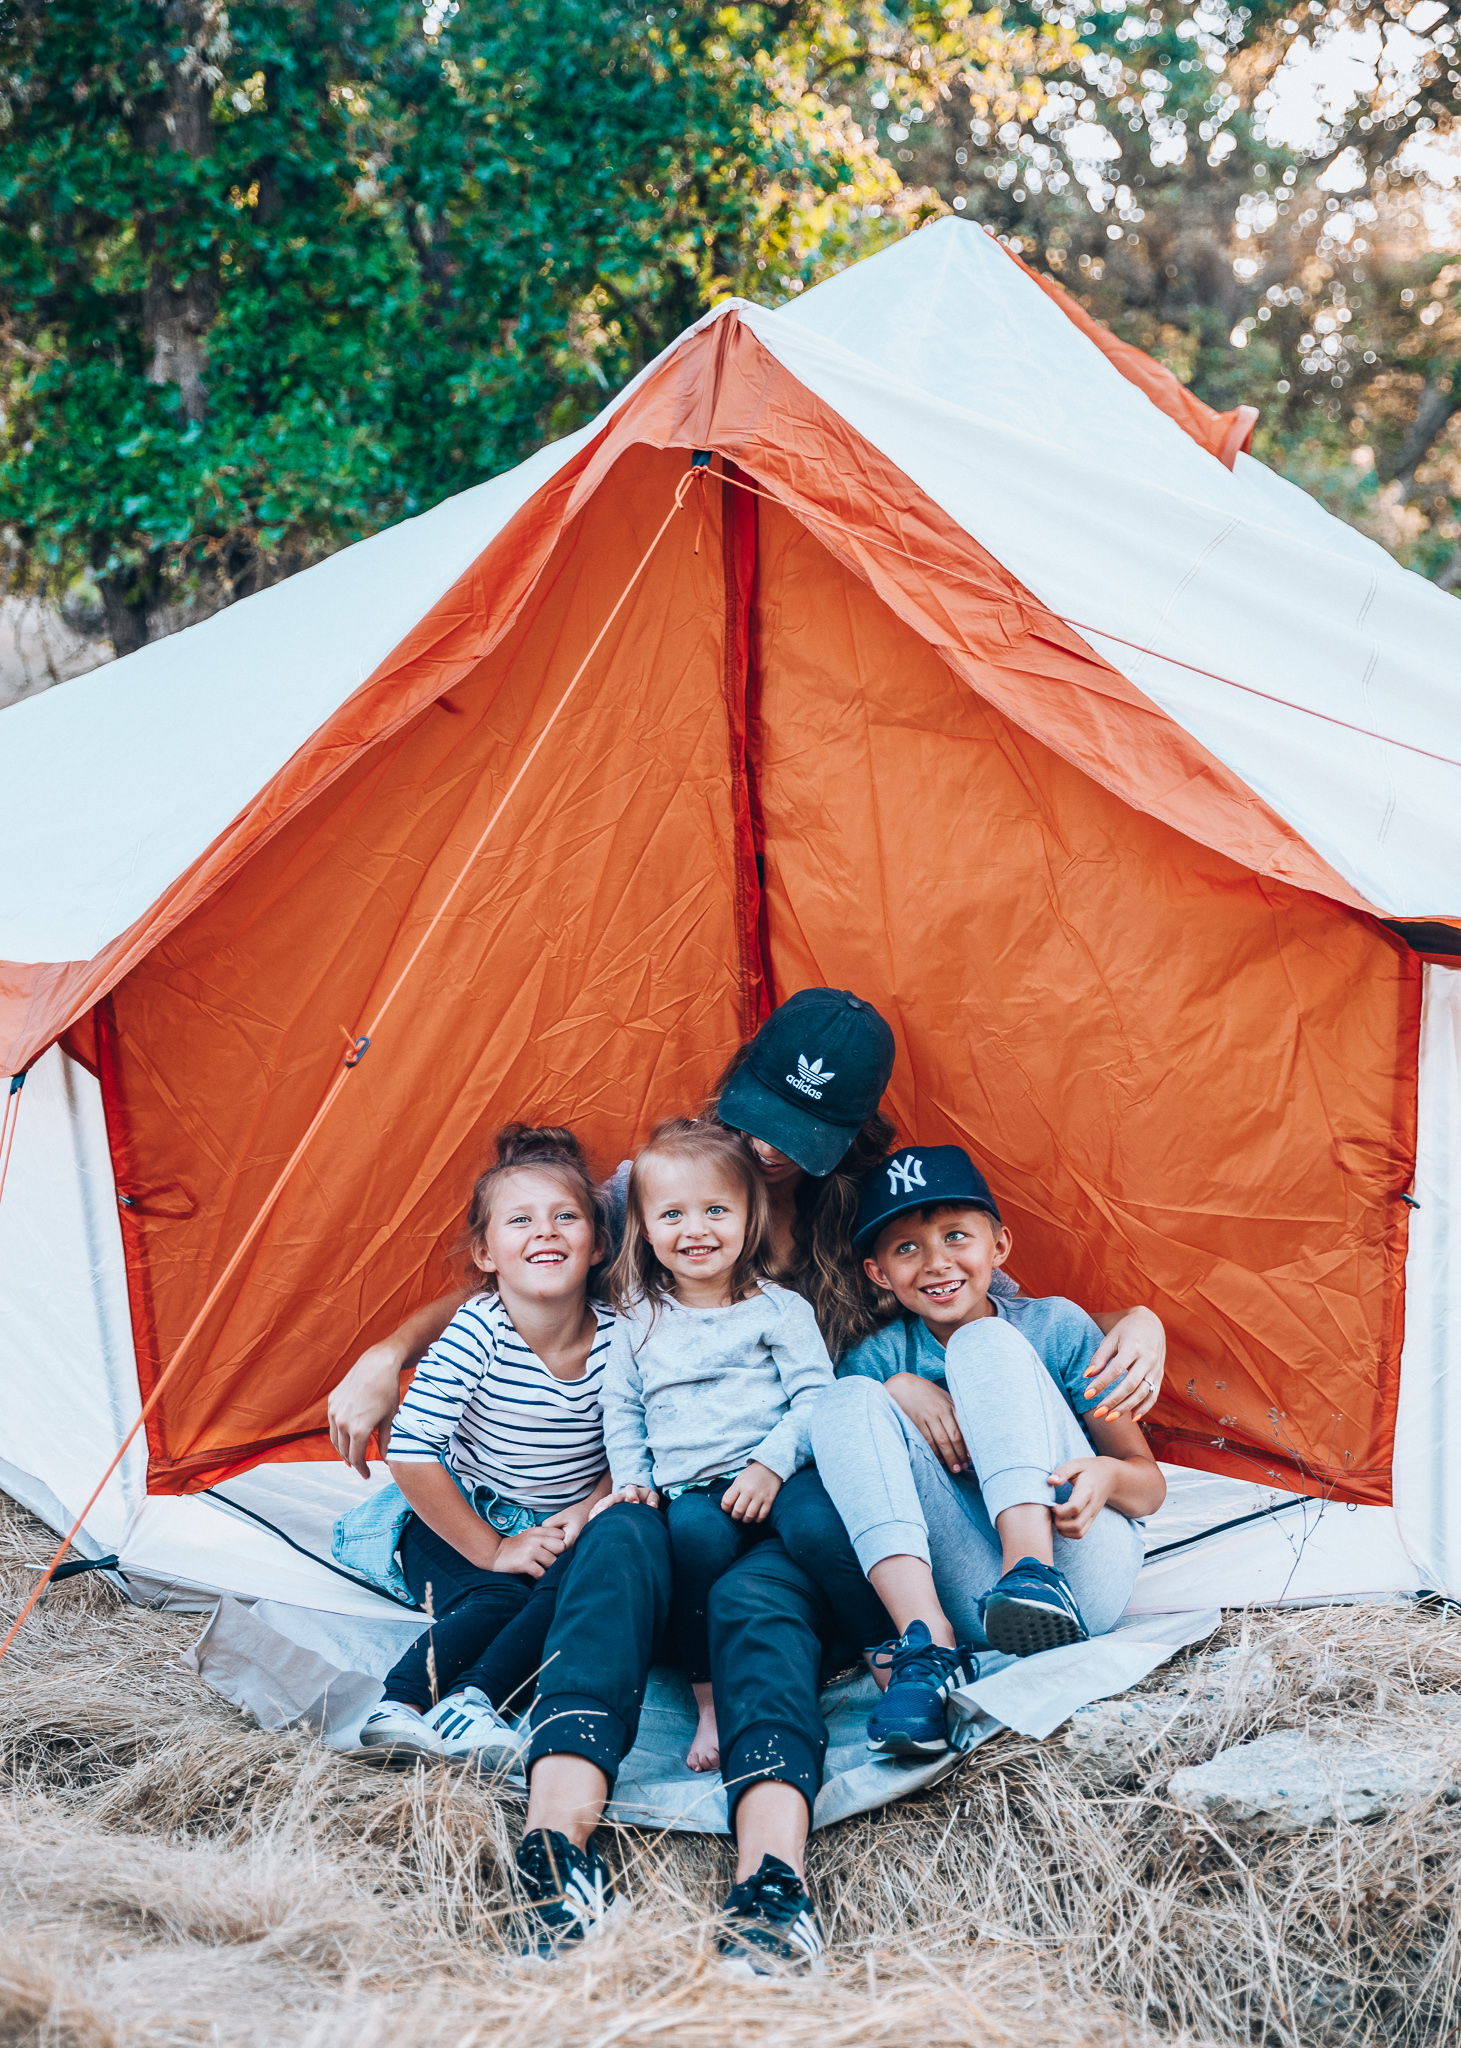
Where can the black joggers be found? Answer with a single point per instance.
(489, 1628)
(705, 1542)
(771, 1631)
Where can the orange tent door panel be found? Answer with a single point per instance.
(592, 970)
(1187, 1085)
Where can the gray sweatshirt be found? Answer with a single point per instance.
(693, 1394)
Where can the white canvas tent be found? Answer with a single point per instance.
(1291, 650)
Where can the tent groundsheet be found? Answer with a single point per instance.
(297, 1668)
(298, 1644)
(318, 1668)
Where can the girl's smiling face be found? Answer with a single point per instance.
(695, 1220)
(539, 1242)
(940, 1265)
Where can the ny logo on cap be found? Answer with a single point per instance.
(909, 1171)
(809, 1077)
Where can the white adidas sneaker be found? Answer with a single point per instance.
(399, 1732)
(467, 1724)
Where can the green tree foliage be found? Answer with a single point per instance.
(271, 278)
(1139, 169)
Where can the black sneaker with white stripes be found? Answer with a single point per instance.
(568, 1891)
(769, 1925)
(1031, 1609)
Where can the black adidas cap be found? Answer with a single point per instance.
(915, 1178)
(814, 1074)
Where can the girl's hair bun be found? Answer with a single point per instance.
(518, 1144)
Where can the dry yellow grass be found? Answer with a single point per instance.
(172, 1874)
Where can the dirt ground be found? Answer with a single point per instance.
(170, 1873)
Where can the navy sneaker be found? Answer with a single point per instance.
(1030, 1610)
(568, 1890)
(909, 1719)
(770, 1926)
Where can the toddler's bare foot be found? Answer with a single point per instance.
(704, 1753)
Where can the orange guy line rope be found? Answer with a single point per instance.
(267, 1207)
(1101, 632)
(8, 1122)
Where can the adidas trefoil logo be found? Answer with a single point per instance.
(809, 1077)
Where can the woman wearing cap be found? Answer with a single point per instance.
(805, 1092)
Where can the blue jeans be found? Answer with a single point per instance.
(898, 1498)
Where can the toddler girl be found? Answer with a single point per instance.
(713, 1372)
(498, 1450)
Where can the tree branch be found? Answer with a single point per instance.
(1440, 399)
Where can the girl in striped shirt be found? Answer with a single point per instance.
(499, 1447)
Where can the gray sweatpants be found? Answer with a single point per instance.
(899, 1500)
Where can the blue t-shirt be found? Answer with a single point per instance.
(1061, 1332)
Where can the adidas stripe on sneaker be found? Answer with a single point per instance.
(568, 1891)
(911, 1718)
(470, 1726)
(398, 1734)
(1030, 1610)
(769, 1925)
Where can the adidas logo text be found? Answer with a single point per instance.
(809, 1077)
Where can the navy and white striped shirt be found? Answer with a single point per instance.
(486, 1401)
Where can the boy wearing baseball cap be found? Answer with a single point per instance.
(990, 1501)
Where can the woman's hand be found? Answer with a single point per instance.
(636, 1496)
(1128, 1368)
(931, 1411)
(530, 1552)
(366, 1400)
(573, 1521)
(1091, 1481)
(749, 1496)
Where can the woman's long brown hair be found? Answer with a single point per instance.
(827, 1274)
(636, 1274)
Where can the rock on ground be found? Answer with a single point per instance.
(1289, 1781)
(1112, 1741)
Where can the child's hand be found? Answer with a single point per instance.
(749, 1496)
(1091, 1480)
(931, 1411)
(530, 1552)
(636, 1495)
(571, 1521)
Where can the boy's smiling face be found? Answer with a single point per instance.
(938, 1262)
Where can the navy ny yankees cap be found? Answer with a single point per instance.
(913, 1179)
(812, 1076)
